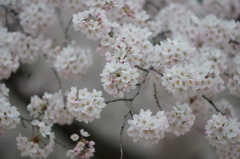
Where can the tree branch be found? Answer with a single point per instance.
(130, 108)
(155, 96)
(214, 106)
(116, 100)
(146, 70)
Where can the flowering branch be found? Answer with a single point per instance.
(29, 121)
(155, 96)
(131, 104)
(130, 108)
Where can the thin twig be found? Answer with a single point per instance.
(226, 74)
(60, 144)
(66, 30)
(145, 70)
(130, 105)
(58, 79)
(155, 96)
(157, 72)
(116, 100)
(214, 106)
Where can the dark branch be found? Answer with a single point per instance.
(155, 96)
(214, 106)
(116, 100)
(145, 70)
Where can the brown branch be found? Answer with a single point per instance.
(214, 106)
(116, 100)
(155, 96)
(157, 72)
(145, 70)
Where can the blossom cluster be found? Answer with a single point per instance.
(118, 78)
(187, 80)
(9, 115)
(85, 106)
(173, 52)
(209, 30)
(221, 130)
(147, 128)
(72, 62)
(84, 148)
(222, 9)
(8, 62)
(36, 18)
(16, 48)
(127, 43)
(181, 119)
(229, 151)
(50, 109)
(33, 146)
(92, 22)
